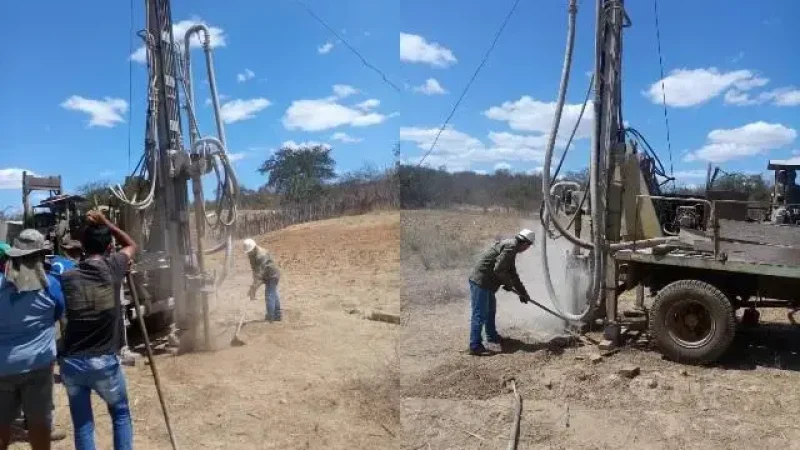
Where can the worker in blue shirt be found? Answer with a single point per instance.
(73, 250)
(31, 302)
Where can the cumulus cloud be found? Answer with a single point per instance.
(292, 145)
(218, 38)
(691, 87)
(430, 87)
(368, 104)
(458, 151)
(325, 48)
(328, 113)
(785, 96)
(748, 140)
(344, 90)
(344, 137)
(416, 49)
(246, 75)
(102, 113)
(11, 178)
(238, 110)
(528, 114)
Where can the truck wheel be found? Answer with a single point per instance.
(692, 322)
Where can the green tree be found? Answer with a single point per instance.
(95, 192)
(299, 174)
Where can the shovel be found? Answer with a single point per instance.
(235, 341)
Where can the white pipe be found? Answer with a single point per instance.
(596, 246)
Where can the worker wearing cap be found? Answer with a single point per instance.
(266, 272)
(31, 302)
(496, 267)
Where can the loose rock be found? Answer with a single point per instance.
(596, 358)
(630, 371)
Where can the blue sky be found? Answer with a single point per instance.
(732, 83)
(734, 99)
(66, 90)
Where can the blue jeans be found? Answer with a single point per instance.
(103, 375)
(484, 309)
(273, 301)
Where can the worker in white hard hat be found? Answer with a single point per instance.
(496, 267)
(266, 272)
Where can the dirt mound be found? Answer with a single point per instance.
(458, 381)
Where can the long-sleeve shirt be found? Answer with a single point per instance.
(264, 268)
(497, 267)
(27, 326)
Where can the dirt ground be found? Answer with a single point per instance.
(454, 401)
(323, 378)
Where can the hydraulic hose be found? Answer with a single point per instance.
(596, 246)
(548, 159)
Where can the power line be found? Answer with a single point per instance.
(347, 44)
(469, 84)
(664, 92)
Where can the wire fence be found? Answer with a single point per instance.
(256, 222)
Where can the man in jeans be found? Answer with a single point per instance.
(30, 304)
(266, 272)
(496, 267)
(93, 333)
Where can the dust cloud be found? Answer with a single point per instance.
(571, 290)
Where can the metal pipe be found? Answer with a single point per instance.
(562, 93)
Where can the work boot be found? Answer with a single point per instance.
(480, 351)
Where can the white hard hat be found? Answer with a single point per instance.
(527, 235)
(249, 245)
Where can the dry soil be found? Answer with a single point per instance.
(321, 379)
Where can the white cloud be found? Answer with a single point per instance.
(328, 113)
(457, 150)
(292, 145)
(237, 156)
(785, 96)
(430, 87)
(748, 140)
(11, 178)
(368, 104)
(222, 98)
(690, 87)
(344, 137)
(325, 48)
(415, 49)
(502, 166)
(528, 114)
(218, 38)
(246, 75)
(344, 90)
(102, 113)
(788, 96)
(238, 110)
(480, 172)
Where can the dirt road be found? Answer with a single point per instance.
(454, 401)
(321, 379)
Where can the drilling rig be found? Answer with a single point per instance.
(698, 272)
(154, 200)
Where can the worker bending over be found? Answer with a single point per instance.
(31, 302)
(496, 267)
(93, 333)
(265, 271)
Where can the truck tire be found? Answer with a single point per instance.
(692, 322)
